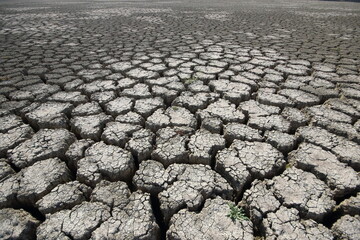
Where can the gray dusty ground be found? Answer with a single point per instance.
(162, 119)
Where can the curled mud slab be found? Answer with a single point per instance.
(179, 120)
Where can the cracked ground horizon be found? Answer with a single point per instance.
(154, 119)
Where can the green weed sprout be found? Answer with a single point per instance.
(236, 213)
(191, 80)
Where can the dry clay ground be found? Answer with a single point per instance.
(147, 120)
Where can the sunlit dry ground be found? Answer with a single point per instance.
(153, 119)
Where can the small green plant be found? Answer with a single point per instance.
(191, 80)
(236, 213)
(289, 165)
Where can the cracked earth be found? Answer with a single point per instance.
(148, 119)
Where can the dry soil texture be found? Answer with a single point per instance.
(149, 119)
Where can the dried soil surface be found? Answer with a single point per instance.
(149, 119)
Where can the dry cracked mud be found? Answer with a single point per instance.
(179, 120)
